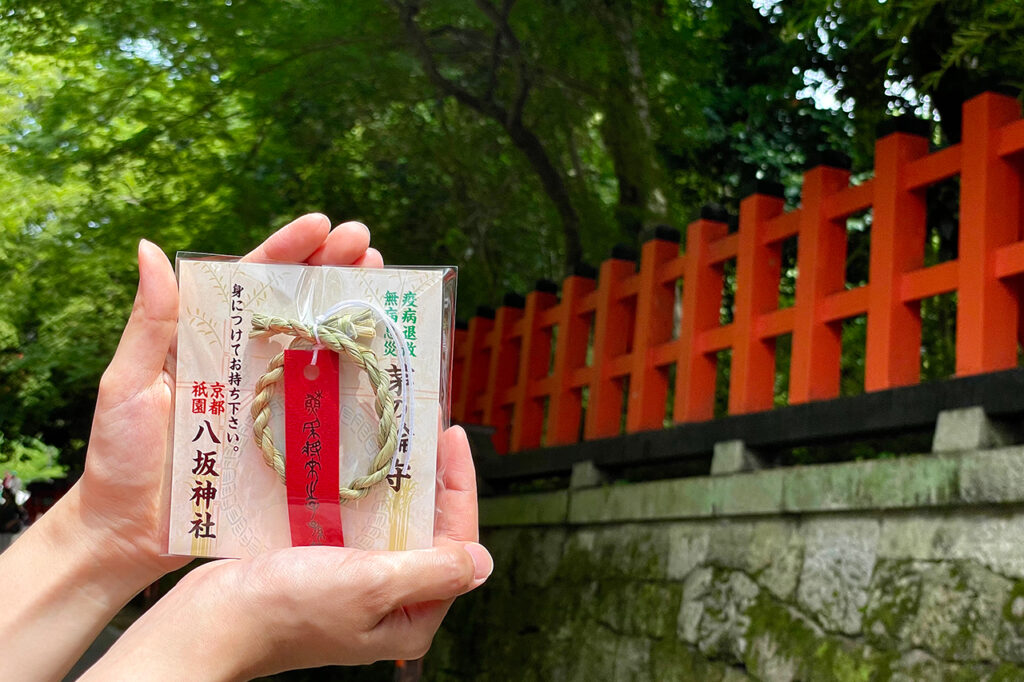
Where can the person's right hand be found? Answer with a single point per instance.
(313, 606)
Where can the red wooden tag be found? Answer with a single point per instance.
(311, 447)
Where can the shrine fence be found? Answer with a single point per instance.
(637, 347)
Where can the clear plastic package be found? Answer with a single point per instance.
(308, 405)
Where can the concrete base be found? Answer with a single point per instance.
(586, 475)
(968, 428)
(733, 457)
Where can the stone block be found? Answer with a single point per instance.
(524, 510)
(748, 494)
(733, 457)
(678, 498)
(586, 475)
(839, 559)
(688, 548)
(993, 477)
(968, 428)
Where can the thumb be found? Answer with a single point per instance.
(440, 573)
(142, 352)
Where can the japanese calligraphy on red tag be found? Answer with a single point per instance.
(311, 438)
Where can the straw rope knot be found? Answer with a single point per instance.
(340, 334)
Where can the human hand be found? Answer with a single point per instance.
(119, 492)
(313, 606)
(100, 544)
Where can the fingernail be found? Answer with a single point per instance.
(365, 228)
(483, 564)
(144, 245)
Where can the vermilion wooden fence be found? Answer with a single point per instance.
(528, 371)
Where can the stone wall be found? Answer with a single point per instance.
(901, 569)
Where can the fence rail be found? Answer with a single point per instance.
(609, 342)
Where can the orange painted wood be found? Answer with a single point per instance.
(990, 189)
(628, 287)
(501, 374)
(583, 376)
(542, 388)
(619, 366)
(783, 227)
(724, 249)
(648, 385)
(821, 264)
(849, 200)
(928, 282)
(715, 339)
(549, 317)
(534, 360)
(589, 302)
(702, 297)
(665, 354)
(477, 369)
(1011, 139)
(775, 323)
(613, 327)
(565, 407)
(843, 305)
(632, 312)
(927, 170)
(892, 350)
(752, 374)
(672, 270)
(1009, 260)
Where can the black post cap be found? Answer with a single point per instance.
(546, 286)
(993, 84)
(714, 212)
(584, 270)
(624, 252)
(485, 311)
(829, 157)
(513, 300)
(909, 125)
(768, 187)
(665, 233)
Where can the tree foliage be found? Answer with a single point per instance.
(512, 138)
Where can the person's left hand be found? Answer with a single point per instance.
(119, 492)
(100, 544)
(304, 607)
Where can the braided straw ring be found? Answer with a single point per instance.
(338, 334)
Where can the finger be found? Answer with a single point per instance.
(141, 353)
(293, 243)
(346, 244)
(426, 575)
(408, 632)
(456, 496)
(370, 259)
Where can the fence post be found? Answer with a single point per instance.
(565, 408)
(476, 369)
(648, 385)
(892, 355)
(528, 415)
(752, 374)
(821, 267)
(502, 371)
(702, 299)
(611, 338)
(990, 193)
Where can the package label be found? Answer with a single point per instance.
(225, 499)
